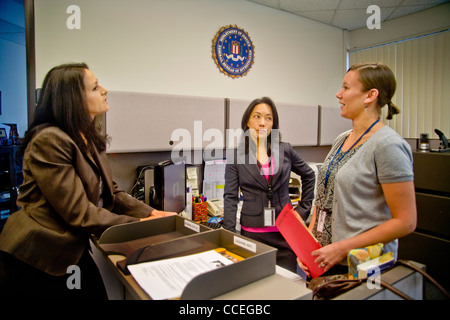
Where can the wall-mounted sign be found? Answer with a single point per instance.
(233, 51)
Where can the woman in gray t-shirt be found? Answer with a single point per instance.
(365, 192)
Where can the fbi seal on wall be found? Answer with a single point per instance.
(233, 51)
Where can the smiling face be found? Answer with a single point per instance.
(260, 122)
(351, 96)
(95, 95)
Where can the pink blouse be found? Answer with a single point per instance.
(265, 168)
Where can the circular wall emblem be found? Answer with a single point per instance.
(233, 51)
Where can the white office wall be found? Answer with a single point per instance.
(165, 47)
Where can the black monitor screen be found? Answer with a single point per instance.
(174, 191)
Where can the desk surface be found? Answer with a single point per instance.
(403, 278)
(283, 285)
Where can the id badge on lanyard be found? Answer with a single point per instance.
(269, 211)
(269, 216)
(321, 221)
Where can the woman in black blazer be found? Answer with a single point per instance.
(260, 169)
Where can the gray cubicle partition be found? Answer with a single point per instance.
(298, 123)
(142, 122)
(331, 124)
(147, 122)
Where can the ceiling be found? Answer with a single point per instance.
(344, 14)
(349, 14)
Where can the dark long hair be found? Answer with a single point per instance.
(62, 103)
(246, 117)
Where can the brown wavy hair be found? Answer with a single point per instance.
(378, 76)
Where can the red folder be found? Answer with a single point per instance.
(300, 239)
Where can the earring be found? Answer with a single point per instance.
(365, 107)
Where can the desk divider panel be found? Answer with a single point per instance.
(331, 125)
(146, 122)
(298, 123)
(143, 122)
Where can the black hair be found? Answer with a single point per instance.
(246, 117)
(62, 103)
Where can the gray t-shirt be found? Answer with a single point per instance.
(324, 194)
(359, 203)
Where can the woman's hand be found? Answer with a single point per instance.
(159, 214)
(330, 255)
(400, 198)
(303, 267)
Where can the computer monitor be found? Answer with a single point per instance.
(170, 186)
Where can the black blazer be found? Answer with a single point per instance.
(254, 188)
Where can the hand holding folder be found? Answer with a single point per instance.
(298, 236)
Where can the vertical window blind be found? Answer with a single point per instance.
(422, 69)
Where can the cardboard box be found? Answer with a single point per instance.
(259, 263)
(169, 237)
(124, 239)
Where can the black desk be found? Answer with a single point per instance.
(10, 179)
(430, 243)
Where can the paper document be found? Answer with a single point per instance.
(214, 179)
(214, 170)
(166, 279)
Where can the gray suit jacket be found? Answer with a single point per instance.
(254, 188)
(59, 203)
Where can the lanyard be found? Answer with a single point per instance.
(268, 181)
(331, 166)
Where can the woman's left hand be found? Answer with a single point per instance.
(330, 255)
(159, 214)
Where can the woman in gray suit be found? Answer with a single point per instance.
(68, 193)
(260, 168)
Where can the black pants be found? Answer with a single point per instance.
(286, 258)
(18, 279)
